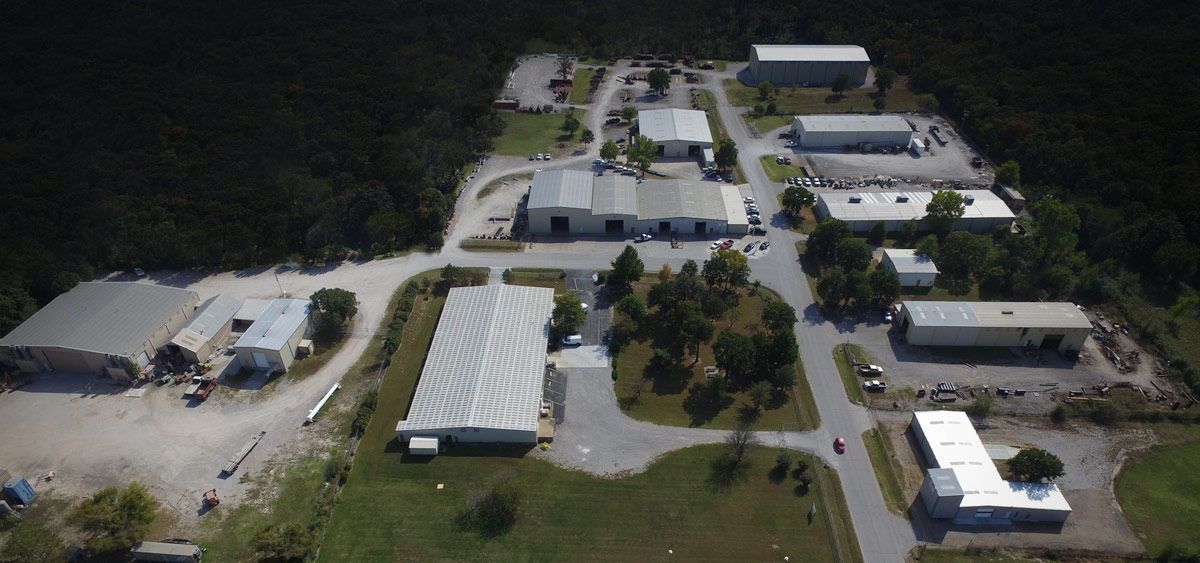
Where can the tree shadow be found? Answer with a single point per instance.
(702, 405)
(724, 473)
(834, 98)
(748, 415)
(954, 286)
(670, 380)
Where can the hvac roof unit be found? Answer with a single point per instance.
(855, 199)
(901, 199)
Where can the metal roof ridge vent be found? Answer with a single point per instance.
(1006, 312)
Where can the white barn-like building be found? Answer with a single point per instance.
(482, 380)
(836, 131)
(983, 212)
(574, 202)
(677, 132)
(963, 484)
(207, 330)
(808, 65)
(272, 341)
(912, 269)
(1056, 326)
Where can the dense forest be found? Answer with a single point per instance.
(223, 135)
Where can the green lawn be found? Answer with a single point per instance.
(798, 101)
(779, 172)
(706, 100)
(540, 277)
(884, 464)
(677, 504)
(943, 290)
(580, 85)
(768, 123)
(490, 245)
(1159, 492)
(529, 133)
(850, 380)
(678, 398)
(939, 555)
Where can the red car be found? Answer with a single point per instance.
(839, 445)
(727, 244)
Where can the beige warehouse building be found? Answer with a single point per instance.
(808, 65)
(574, 202)
(207, 330)
(273, 340)
(1055, 326)
(99, 327)
(677, 132)
(837, 131)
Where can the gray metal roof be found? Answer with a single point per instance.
(276, 325)
(852, 123)
(113, 318)
(667, 199)
(906, 261)
(835, 53)
(903, 206)
(487, 362)
(561, 188)
(251, 309)
(675, 125)
(614, 195)
(996, 314)
(735, 206)
(207, 322)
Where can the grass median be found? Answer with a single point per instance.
(850, 379)
(883, 461)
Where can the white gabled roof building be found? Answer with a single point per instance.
(677, 132)
(983, 212)
(913, 270)
(962, 482)
(482, 380)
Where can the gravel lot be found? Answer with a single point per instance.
(529, 81)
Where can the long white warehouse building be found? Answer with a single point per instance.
(963, 484)
(482, 381)
(1055, 326)
(574, 202)
(983, 212)
(836, 131)
(808, 65)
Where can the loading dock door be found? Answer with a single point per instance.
(701, 227)
(614, 226)
(1052, 341)
(664, 227)
(560, 225)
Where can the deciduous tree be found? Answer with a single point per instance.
(885, 285)
(609, 150)
(778, 316)
(632, 306)
(643, 152)
(626, 269)
(734, 353)
(885, 78)
(840, 84)
(334, 306)
(943, 210)
(823, 242)
(853, 254)
(760, 393)
(727, 269)
(658, 80)
(832, 286)
(568, 314)
(586, 136)
(726, 154)
(765, 90)
(1009, 173)
(1035, 465)
(877, 234)
(796, 198)
(115, 519)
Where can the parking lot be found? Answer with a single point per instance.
(529, 81)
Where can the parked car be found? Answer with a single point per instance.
(839, 445)
(757, 231)
(869, 369)
(765, 245)
(727, 244)
(887, 315)
(715, 245)
(585, 307)
(875, 386)
(531, 157)
(642, 237)
(538, 156)
(747, 199)
(547, 156)
(139, 272)
(573, 340)
(749, 248)
(754, 220)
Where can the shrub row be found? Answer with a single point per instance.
(395, 330)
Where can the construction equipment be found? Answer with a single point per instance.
(201, 387)
(211, 499)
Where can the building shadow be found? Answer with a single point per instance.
(973, 356)
(82, 384)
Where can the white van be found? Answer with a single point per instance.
(572, 340)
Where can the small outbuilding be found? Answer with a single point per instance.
(207, 330)
(1053, 326)
(808, 65)
(423, 445)
(837, 131)
(271, 343)
(913, 269)
(677, 132)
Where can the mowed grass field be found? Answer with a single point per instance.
(798, 101)
(1159, 492)
(531, 133)
(391, 510)
(779, 172)
(580, 85)
(677, 398)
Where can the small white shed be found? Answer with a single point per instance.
(912, 269)
(423, 445)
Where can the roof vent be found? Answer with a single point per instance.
(901, 199)
(855, 199)
(969, 199)
(1006, 312)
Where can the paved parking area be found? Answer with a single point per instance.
(554, 389)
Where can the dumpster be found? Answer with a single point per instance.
(18, 491)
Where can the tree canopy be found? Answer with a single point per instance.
(726, 154)
(796, 198)
(643, 152)
(626, 269)
(114, 519)
(335, 306)
(1036, 465)
(658, 80)
(943, 210)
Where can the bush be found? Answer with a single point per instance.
(285, 542)
(980, 407)
(33, 543)
(1058, 415)
(1104, 414)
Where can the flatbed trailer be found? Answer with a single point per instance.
(240, 456)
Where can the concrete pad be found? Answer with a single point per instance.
(1000, 451)
(581, 357)
(135, 393)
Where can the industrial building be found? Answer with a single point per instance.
(983, 212)
(808, 65)
(580, 203)
(99, 327)
(276, 337)
(963, 484)
(209, 327)
(837, 131)
(677, 132)
(483, 375)
(913, 269)
(1055, 326)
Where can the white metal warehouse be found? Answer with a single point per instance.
(482, 380)
(677, 132)
(983, 212)
(574, 202)
(913, 270)
(808, 65)
(963, 484)
(836, 131)
(273, 339)
(99, 327)
(1056, 326)
(207, 329)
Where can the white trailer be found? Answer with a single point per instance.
(423, 445)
